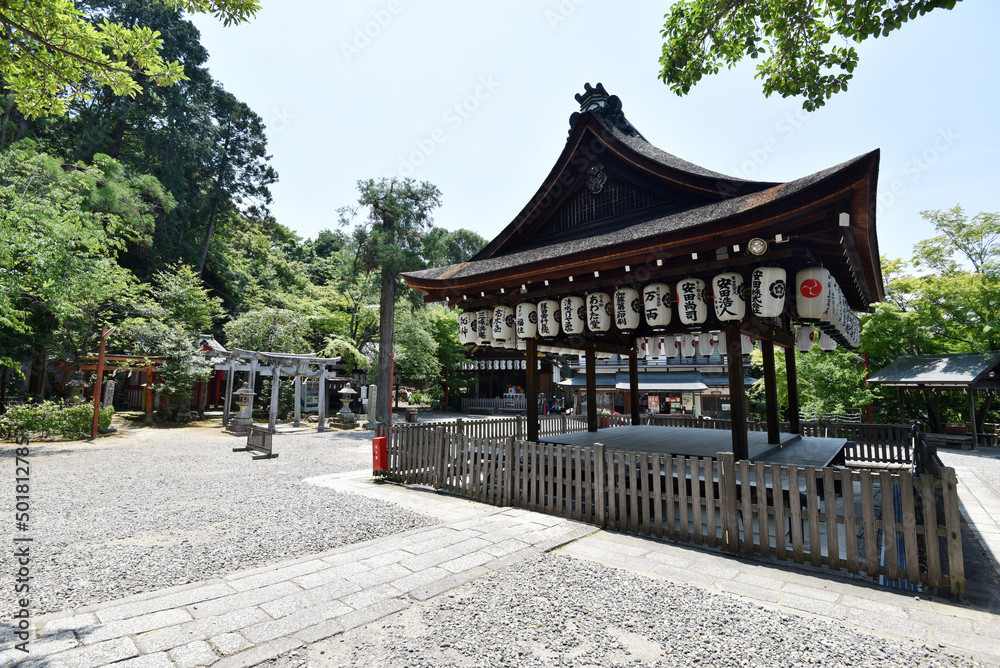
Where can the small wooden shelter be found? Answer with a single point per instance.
(624, 241)
(970, 373)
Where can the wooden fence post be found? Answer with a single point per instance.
(727, 501)
(440, 439)
(953, 531)
(507, 481)
(460, 425)
(562, 423)
(600, 484)
(519, 428)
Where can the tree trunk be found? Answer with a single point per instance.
(387, 308)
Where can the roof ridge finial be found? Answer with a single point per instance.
(597, 100)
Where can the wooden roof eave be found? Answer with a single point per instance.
(570, 166)
(681, 243)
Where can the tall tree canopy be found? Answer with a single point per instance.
(54, 50)
(390, 241)
(803, 47)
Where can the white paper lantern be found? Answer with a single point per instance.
(641, 349)
(656, 301)
(572, 314)
(705, 344)
(687, 345)
(524, 364)
(721, 340)
(522, 344)
(484, 327)
(503, 326)
(767, 291)
(526, 320)
(466, 328)
(671, 346)
(692, 309)
(747, 344)
(811, 292)
(548, 318)
(826, 342)
(730, 302)
(804, 339)
(599, 311)
(627, 308)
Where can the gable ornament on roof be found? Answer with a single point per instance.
(597, 100)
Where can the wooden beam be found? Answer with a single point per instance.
(633, 384)
(591, 357)
(531, 391)
(770, 393)
(737, 392)
(972, 415)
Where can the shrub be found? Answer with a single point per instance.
(53, 420)
(420, 399)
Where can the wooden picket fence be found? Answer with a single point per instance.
(880, 523)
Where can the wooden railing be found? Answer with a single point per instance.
(889, 521)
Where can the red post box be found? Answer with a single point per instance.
(380, 454)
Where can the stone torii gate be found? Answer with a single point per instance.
(276, 365)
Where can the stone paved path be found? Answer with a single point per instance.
(250, 616)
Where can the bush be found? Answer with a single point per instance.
(53, 420)
(420, 399)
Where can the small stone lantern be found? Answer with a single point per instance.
(76, 388)
(240, 425)
(344, 419)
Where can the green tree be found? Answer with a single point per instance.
(802, 48)
(185, 300)
(53, 48)
(828, 382)
(389, 242)
(269, 330)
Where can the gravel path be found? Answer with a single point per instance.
(153, 508)
(559, 611)
(986, 462)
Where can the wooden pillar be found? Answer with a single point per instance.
(737, 392)
(770, 392)
(97, 382)
(531, 391)
(149, 394)
(591, 357)
(228, 400)
(203, 397)
(633, 384)
(902, 407)
(792, 376)
(298, 402)
(972, 416)
(321, 409)
(272, 418)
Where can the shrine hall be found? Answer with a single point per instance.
(625, 247)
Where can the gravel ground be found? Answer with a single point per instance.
(559, 611)
(986, 462)
(158, 507)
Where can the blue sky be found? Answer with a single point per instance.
(476, 98)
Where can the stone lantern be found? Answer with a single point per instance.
(344, 419)
(76, 388)
(240, 424)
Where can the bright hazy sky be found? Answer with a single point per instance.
(476, 99)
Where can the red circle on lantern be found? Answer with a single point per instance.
(811, 288)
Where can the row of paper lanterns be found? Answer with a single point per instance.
(486, 365)
(818, 299)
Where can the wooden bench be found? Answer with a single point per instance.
(258, 440)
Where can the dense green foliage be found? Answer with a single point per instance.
(802, 48)
(53, 420)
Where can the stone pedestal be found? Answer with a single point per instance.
(345, 419)
(240, 425)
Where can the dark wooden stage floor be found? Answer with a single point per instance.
(694, 442)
